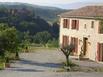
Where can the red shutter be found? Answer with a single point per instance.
(77, 24)
(71, 40)
(68, 23)
(65, 41)
(76, 43)
(72, 24)
(64, 23)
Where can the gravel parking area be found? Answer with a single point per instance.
(44, 63)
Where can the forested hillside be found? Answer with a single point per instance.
(45, 12)
(31, 20)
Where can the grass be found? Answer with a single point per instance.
(33, 49)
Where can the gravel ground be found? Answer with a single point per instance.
(42, 64)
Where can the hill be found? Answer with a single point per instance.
(30, 18)
(47, 13)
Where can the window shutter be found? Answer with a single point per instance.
(72, 24)
(76, 45)
(65, 41)
(64, 23)
(68, 23)
(77, 24)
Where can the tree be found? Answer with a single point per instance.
(42, 37)
(55, 30)
(67, 51)
(9, 42)
(26, 41)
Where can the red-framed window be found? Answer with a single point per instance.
(74, 41)
(100, 27)
(75, 24)
(65, 41)
(66, 23)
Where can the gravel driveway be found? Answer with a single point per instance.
(43, 63)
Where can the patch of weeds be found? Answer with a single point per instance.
(71, 64)
(70, 67)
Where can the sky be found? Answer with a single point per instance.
(55, 3)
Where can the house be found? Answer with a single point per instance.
(83, 28)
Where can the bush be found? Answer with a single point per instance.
(2, 63)
(52, 43)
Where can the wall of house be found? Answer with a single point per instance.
(85, 30)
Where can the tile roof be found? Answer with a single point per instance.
(88, 11)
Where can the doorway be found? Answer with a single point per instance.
(85, 45)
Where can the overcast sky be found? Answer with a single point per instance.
(50, 2)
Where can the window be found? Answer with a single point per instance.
(100, 27)
(74, 41)
(66, 23)
(92, 24)
(65, 41)
(75, 24)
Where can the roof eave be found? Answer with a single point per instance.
(83, 17)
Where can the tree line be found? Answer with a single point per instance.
(25, 20)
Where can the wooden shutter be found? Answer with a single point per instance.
(65, 41)
(76, 45)
(68, 23)
(77, 24)
(74, 41)
(72, 24)
(65, 22)
(100, 51)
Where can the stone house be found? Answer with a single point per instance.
(83, 27)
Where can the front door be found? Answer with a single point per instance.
(85, 46)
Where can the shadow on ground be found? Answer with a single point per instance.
(51, 65)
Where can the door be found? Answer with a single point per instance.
(85, 45)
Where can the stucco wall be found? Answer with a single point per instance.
(88, 32)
